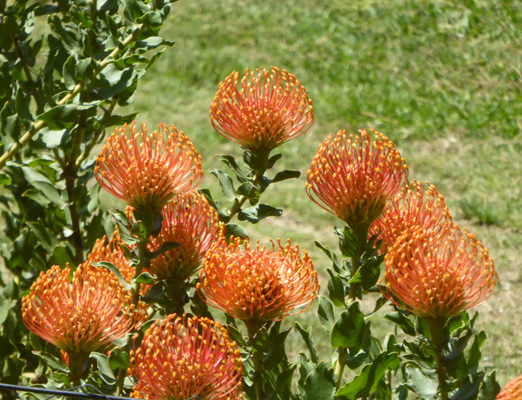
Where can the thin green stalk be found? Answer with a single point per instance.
(437, 326)
(253, 327)
(142, 246)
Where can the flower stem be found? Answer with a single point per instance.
(253, 327)
(437, 326)
(142, 246)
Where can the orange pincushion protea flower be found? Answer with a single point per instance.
(414, 206)
(438, 275)
(355, 177)
(512, 390)
(182, 357)
(191, 222)
(268, 110)
(83, 316)
(258, 284)
(148, 170)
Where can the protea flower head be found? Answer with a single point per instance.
(354, 177)
(81, 316)
(148, 170)
(182, 357)
(512, 390)
(258, 283)
(438, 275)
(193, 224)
(267, 110)
(413, 206)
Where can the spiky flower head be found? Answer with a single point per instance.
(354, 177)
(148, 170)
(258, 283)
(194, 225)
(182, 357)
(81, 316)
(267, 110)
(512, 390)
(438, 275)
(415, 205)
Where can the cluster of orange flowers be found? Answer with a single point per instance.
(431, 267)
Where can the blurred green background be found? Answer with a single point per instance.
(442, 79)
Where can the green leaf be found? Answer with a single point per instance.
(272, 160)
(489, 388)
(5, 179)
(284, 175)
(231, 162)
(277, 351)
(236, 231)
(319, 384)
(111, 267)
(366, 382)
(64, 117)
(118, 360)
(50, 192)
(144, 277)
(226, 184)
(331, 255)
(474, 354)
(325, 313)
(52, 361)
(104, 369)
(422, 381)
(370, 271)
(154, 293)
(336, 290)
(165, 246)
(469, 388)
(347, 242)
(53, 138)
(5, 306)
(348, 331)
(257, 213)
(403, 321)
(307, 337)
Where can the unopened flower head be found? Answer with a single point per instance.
(182, 357)
(512, 390)
(267, 110)
(354, 177)
(194, 225)
(148, 170)
(258, 283)
(81, 316)
(413, 206)
(438, 275)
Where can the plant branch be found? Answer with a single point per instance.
(40, 124)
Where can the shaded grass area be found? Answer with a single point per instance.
(441, 78)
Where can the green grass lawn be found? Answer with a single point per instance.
(442, 79)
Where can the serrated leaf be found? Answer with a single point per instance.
(306, 334)
(336, 290)
(404, 322)
(104, 369)
(119, 360)
(319, 384)
(325, 313)
(489, 388)
(286, 174)
(236, 231)
(257, 213)
(366, 382)
(226, 184)
(348, 331)
(231, 162)
(423, 382)
(165, 246)
(111, 267)
(277, 351)
(144, 277)
(331, 255)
